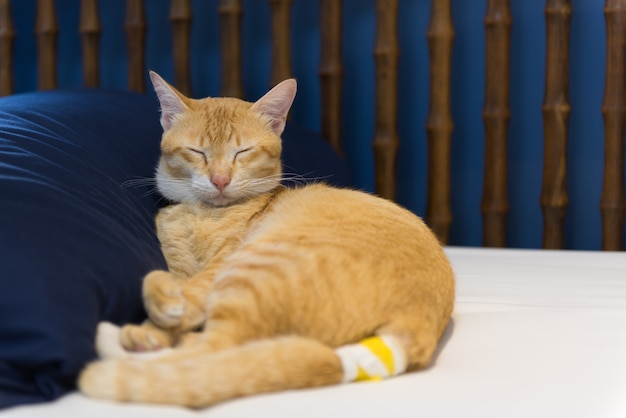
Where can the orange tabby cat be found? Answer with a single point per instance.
(290, 288)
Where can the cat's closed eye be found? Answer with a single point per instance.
(199, 153)
(241, 151)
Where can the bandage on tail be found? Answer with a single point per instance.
(372, 359)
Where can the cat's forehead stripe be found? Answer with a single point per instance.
(223, 122)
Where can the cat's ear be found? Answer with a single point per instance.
(276, 104)
(173, 102)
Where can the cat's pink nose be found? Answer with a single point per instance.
(220, 182)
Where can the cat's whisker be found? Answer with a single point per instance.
(250, 191)
(303, 179)
(305, 176)
(152, 186)
(262, 181)
(149, 192)
(139, 182)
(300, 179)
(159, 200)
(150, 181)
(173, 182)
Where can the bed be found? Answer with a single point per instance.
(497, 133)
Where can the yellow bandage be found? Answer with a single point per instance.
(372, 359)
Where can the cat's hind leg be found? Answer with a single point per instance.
(248, 367)
(373, 358)
(108, 344)
(407, 342)
(418, 333)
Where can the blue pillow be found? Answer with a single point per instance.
(74, 242)
(310, 158)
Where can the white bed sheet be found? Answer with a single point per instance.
(534, 334)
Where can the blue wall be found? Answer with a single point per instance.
(587, 62)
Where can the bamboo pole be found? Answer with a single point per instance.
(612, 199)
(46, 29)
(439, 125)
(7, 35)
(90, 35)
(281, 47)
(556, 109)
(496, 115)
(135, 27)
(386, 135)
(180, 19)
(230, 23)
(331, 71)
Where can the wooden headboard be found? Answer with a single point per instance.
(440, 38)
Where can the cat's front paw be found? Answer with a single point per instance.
(145, 337)
(163, 299)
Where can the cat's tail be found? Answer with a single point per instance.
(195, 378)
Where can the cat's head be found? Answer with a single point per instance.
(220, 150)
